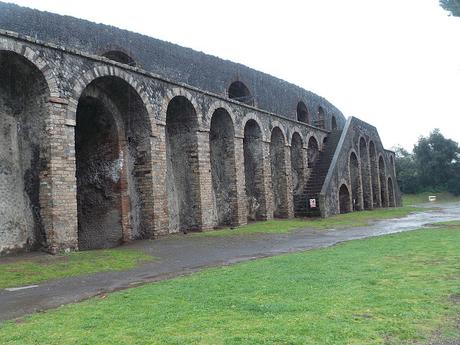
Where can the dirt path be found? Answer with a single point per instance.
(178, 255)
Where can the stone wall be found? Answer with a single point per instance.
(105, 153)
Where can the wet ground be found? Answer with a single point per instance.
(184, 254)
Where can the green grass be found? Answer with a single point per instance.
(421, 198)
(48, 267)
(353, 219)
(394, 290)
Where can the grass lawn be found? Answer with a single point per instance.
(395, 290)
(412, 199)
(49, 267)
(339, 221)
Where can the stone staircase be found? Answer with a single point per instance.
(316, 179)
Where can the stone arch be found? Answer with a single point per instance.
(278, 172)
(376, 201)
(33, 56)
(277, 124)
(238, 91)
(182, 179)
(383, 182)
(321, 117)
(365, 174)
(113, 164)
(344, 199)
(254, 169)
(223, 167)
(391, 193)
(355, 182)
(302, 113)
(82, 81)
(295, 130)
(297, 171)
(252, 116)
(219, 105)
(24, 150)
(333, 123)
(312, 151)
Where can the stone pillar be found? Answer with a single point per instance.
(160, 197)
(206, 207)
(266, 206)
(241, 216)
(58, 187)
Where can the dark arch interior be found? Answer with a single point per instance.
(253, 170)
(312, 152)
(391, 193)
(355, 182)
(23, 154)
(365, 174)
(374, 175)
(344, 199)
(223, 169)
(240, 92)
(297, 171)
(302, 113)
(321, 118)
(113, 162)
(182, 165)
(333, 123)
(120, 57)
(383, 188)
(278, 172)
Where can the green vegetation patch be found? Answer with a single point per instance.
(395, 290)
(421, 198)
(48, 267)
(353, 219)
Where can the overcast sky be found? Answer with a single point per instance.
(392, 63)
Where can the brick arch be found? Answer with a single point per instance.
(103, 71)
(178, 91)
(212, 109)
(33, 56)
(275, 124)
(247, 117)
(297, 130)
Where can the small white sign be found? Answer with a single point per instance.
(432, 198)
(312, 203)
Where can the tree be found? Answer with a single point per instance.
(436, 159)
(406, 171)
(453, 6)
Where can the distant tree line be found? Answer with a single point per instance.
(433, 166)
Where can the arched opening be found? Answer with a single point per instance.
(312, 151)
(365, 174)
(391, 193)
(223, 168)
(182, 181)
(278, 173)
(374, 176)
(253, 170)
(23, 151)
(383, 187)
(333, 123)
(355, 182)
(113, 165)
(297, 170)
(240, 92)
(344, 199)
(302, 113)
(321, 118)
(120, 57)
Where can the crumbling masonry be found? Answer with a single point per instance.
(108, 136)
